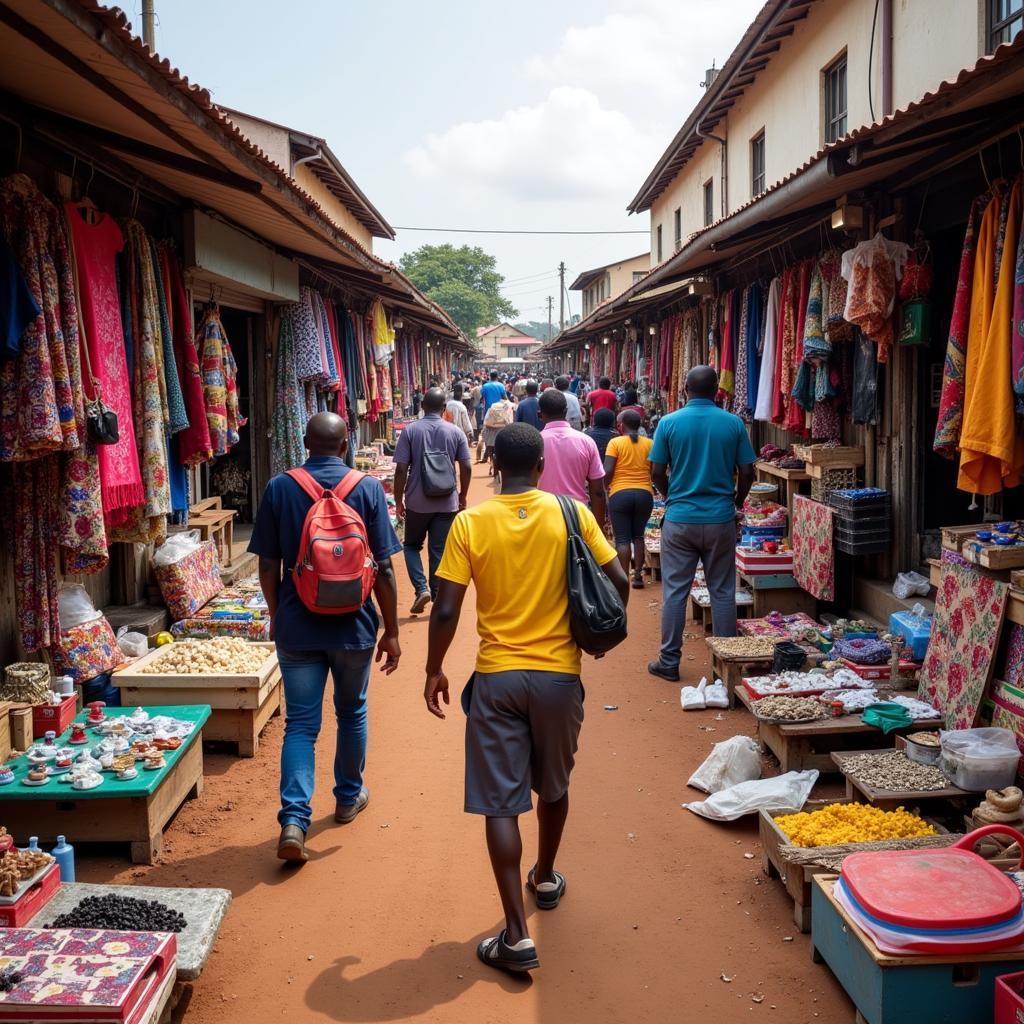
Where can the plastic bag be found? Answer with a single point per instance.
(134, 645)
(716, 696)
(692, 697)
(910, 583)
(176, 547)
(980, 743)
(735, 760)
(784, 794)
(74, 606)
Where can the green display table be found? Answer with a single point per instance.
(133, 811)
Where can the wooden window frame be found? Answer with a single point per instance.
(708, 201)
(757, 172)
(835, 122)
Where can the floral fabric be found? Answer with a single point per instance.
(86, 651)
(203, 626)
(186, 585)
(220, 383)
(813, 554)
(289, 416)
(969, 610)
(1013, 670)
(1008, 713)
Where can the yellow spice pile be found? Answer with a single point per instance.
(851, 823)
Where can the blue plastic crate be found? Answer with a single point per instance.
(916, 630)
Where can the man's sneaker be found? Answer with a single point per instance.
(421, 602)
(292, 845)
(547, 894)
(656, 668)
(344, 813)
(496, 952)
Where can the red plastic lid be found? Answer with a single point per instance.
(945, 888)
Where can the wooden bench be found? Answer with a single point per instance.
(218, 525)
(700, 607)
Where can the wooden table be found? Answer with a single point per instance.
(219, 525)
(241, 704)
(732, 669)
(887, 799)
(789, 481)
(907, 989)
(778, 592)
(132, 812)
(804, 745)
(700, 608)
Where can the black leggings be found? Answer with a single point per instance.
(630, 510)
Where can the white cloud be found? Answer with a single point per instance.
(568, 147)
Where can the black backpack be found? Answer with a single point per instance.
(597, 616)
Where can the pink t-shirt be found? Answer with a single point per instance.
(570, 460)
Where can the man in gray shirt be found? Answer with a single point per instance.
(574, 411)
(429, 517)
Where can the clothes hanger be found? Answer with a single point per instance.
(85, 205)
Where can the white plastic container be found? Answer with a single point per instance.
(980, 759)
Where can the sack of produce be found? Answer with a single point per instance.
(735, 760)
(86, 650)
(784, 794)
(188, 574)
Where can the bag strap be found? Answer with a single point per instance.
(307, 482)
(83, 341)
(569, 514)
(349, 482)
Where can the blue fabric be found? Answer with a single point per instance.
(18, 307)
(304, 676)
(755, 313)
(276, 534)
(177, 476)
(702, 445)
(493, 391)
(528, 411)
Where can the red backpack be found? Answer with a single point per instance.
(334, 570)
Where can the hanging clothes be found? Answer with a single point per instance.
(794, 418)
(991, 450)
(193, 443)
(18, 307)
(785, 346)
(873, 269)
(383, 335)
(727, 367)
(288, 422)
(766, 377)
(951, 403)
(177, 416)
(752, 339)
(1017, 327)
(866, 405)
(219, 387)
(740, 404)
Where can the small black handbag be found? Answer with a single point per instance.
(100, 422)
(597, 616)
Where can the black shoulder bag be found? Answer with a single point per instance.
(597, 616)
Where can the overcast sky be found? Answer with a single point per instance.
(531, 115)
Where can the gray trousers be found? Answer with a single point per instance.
(683, 545)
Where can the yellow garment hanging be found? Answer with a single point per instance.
(991, 451)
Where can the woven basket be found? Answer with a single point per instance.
(837, 479)
(27, 682)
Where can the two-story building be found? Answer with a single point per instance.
(506, 344)
(608, 282)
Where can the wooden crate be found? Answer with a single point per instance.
(818, 455)
(242, 704)
(888, 799)
(953, 537)
(652, 563)
(993, 556)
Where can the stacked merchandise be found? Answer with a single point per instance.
(863, 520)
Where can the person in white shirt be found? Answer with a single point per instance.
(455, 412)
(574, 413)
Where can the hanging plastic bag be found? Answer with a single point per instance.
(74, 606)
(784, 794)
(909, 584)
(176, 547)
(735, 760)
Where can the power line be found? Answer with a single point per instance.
(517, 231)
(530, 277)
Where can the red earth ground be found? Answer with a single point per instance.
(382, 923)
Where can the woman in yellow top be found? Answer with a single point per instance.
(630, 492)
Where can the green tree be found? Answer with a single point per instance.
(463, 281)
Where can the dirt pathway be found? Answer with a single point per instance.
(382, 923)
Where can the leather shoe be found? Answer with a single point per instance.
(292, 845)
(656, 668)
(344, 813)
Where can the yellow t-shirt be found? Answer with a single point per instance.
(513, 548)
(632, 470)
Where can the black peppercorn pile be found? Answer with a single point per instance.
(122, 913)
(9, 978)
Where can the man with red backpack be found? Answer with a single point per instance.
(324, 538)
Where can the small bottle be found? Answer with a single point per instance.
(33, 844)
(64, 855)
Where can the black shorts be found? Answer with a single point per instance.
(629, 511)
(521, 734)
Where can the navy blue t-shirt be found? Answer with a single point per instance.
(528, 411)
(276, 534)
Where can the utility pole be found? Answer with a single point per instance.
(551, 303)
(149, 24)
(561, 296)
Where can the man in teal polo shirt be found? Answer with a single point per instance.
(703, 462)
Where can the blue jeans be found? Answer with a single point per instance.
(304, 674)
(432, 527)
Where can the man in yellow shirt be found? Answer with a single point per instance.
(525, 700)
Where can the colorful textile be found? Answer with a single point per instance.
(186, 585)
(813, 553)
(1017, 327)
(205, 626)
(752, 340)
(95, 250)
(193, 442)
(727, 355)
(177, 417)
(794, 418)
(766, 377)
(220, 386)
(784, 346)
(86, 651)
(872, 269)
(383, 335)
(37, 400)
(1008, 713)
(969, 610)
(18, 307)
(1013, 669)
(289, 416)
(36, 526)
(83, 536)
(308, 364)
(740, 403)
(991, 450)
